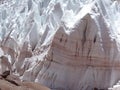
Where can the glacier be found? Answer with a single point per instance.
(62, 44)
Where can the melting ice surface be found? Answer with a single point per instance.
(33, 21)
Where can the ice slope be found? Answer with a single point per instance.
(63, 44)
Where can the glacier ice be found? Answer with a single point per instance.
(63, 44)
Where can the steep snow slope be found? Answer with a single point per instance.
(63, 44)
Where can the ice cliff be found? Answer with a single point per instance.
(63, 44)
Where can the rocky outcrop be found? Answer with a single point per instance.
(63, 44)
(5, 85)
(9, 82)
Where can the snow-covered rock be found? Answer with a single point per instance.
(63, 44)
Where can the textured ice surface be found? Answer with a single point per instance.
(63, 44)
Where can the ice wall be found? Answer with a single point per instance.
(63, 44)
